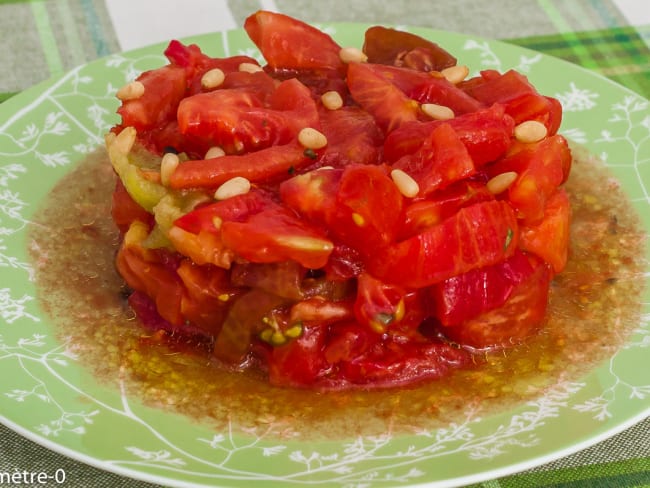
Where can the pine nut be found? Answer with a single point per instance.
(310, 138)
(455, 74)
(352, 54)
(168, 165)
(530, 131)
(501, 182)
(437, 112)
(125, 140)
(214, 152)
(130, 91)
(405, 183)
(250, 68)
(233, 187)
(212, 78)
(332, 100)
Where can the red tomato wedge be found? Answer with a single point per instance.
(479, 235)
(378, 96)
(288, 43)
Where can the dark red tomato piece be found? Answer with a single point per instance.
(258, 83)
(486, 134)
(383, 45)
(521, 316)
(541, 167)
(200, 304)
(288, 43)
(464, 297)
(380, 97)
(164, 88)
(550, 238)
(344, 263)
(352, 137)
(269, 164)
(300, 362)
(313, 194)
(237, 209)
(422, 214)
(441, 160)
(522, 100)
(479, 235)
(378, 305)
(276, 235)
(167, 137)
(368, 208)
(124, 210)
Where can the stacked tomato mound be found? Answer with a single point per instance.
(338, 218)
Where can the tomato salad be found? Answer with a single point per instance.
(338, 217)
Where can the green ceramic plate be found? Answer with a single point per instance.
(46, 395)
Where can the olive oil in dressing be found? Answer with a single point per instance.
(594, 306)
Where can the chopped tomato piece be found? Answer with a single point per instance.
(378, 96)
(550, 238)
(520, 316)
(288, 43)
(164, 88)
(441, 160)
(476, 236)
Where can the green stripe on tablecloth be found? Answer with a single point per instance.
(6, 96)
(621, 54)
(48, 41)
(633, 472)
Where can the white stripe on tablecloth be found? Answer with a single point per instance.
(139, 23)
(636, 12)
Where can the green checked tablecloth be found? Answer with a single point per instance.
(45, 38)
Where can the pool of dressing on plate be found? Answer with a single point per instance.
(594, 306)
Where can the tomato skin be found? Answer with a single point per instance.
(392, 47)
(479, 235)
(268, 164)
(382, 99)
(520, 316)
(275, 235)
(378, 305)
(520, 97)
(367, 210)
(441, 160)
(288, 43)
(421, 214)
(486, 134)
(465, 296)
(550, 238)
(164, 88)
(541, 168)
(237, 120)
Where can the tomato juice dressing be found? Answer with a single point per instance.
(594, 306)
